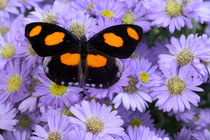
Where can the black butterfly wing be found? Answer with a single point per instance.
(102, 71)
(49, 39)
(64, 69)
(118, 41)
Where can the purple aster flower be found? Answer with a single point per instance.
(191, 50)
(135, 118)
(79, 23)
(77, 134)
(131, 3)
(173, 14)
(188, 117)
(5, 27)
(146, 72)
(203, 119)
(97, 120)
(13, 82)
(8, 7)
(137, 16)
(207, 29)
(109, 8)
(29, 4)
(156, 50)
(85, 5)
(202, 135)
(7, 119)
(176, 92)
(142, 50)
(28, 120)
(7, 50)
(184, 134)
(141, 133)
(50, 13)
(55, 95)
(58, 127)
(135, 95)
(202, 12)
(1, 137)
(16, 135)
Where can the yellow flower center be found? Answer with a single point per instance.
(31, 50)
(184, 57)
(131, 88)
(3, 4)
(173, 9)
(107, 13)
(8, 51)
(175, 86)
(24, 122)
(77, 29)
(144, 77)
(14, 83)
(67, 112)
(90, 7)
(57, 90)
(50, 17)
(3, 28)
(94, 125)
(54, 135)
(136, 122)
(128, 18)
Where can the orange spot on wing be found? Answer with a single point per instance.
(54, 38)
(113, 40)
(96, 61)
(70, 59)
(132, 33)
(35, 31)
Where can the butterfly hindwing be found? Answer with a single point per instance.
(49, 39)
(102, 71)
(64, 69)
(118, 41)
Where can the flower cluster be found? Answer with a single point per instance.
(163, 92)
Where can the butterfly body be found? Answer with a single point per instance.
(72, 61)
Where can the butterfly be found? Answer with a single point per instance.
(72, 61)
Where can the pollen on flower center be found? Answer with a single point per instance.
(67, 112)
(131, 88)
(3, 28)
(90, 7)
(175, 86)
(8, 51)
(50, 17)
(128, 18)
(184, 57)
(14, 83)
(107, 13)
(94, 125)
(78, 29)
(54, 135)
(144, 77)
(31, 50)
(136, 122)
(57, 90)
(3, 4)
(173, 9)
(24, 122)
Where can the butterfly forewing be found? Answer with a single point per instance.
(118, 41)
(49, 39)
